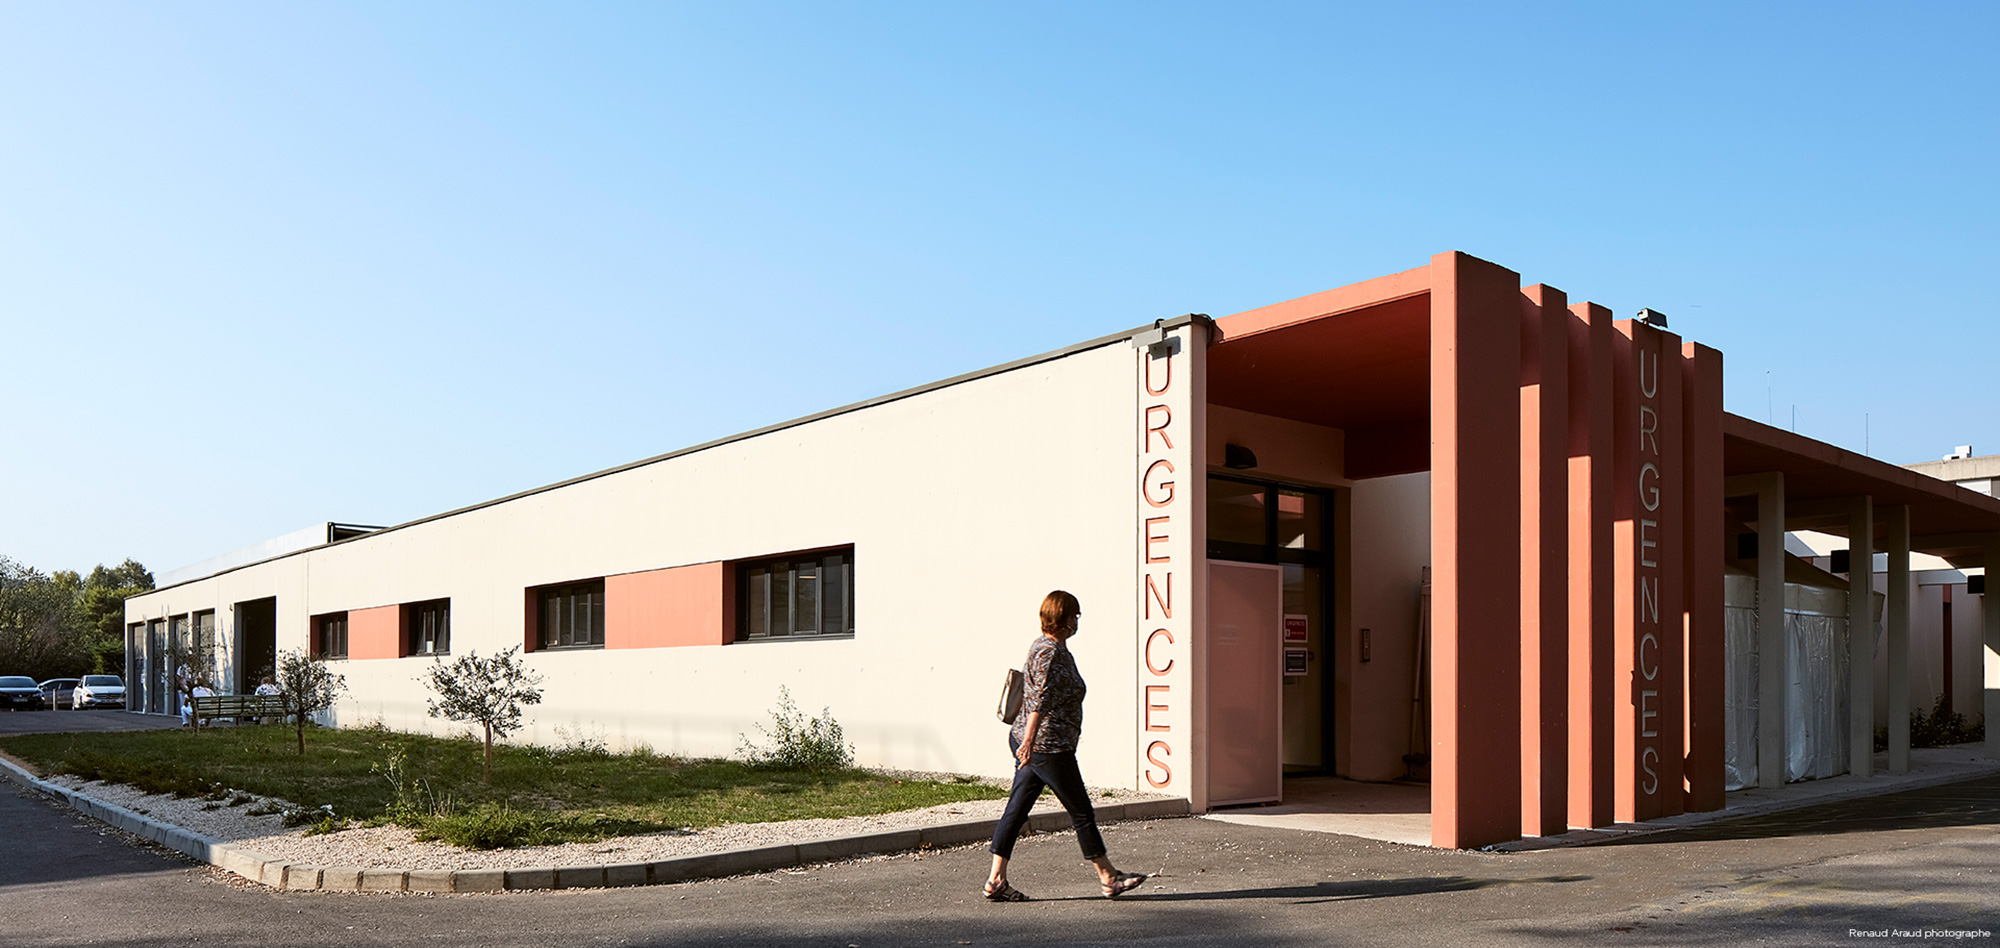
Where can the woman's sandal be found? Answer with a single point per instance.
(1005, 893)
(1122, 883)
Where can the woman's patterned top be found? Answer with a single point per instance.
(1055, 688)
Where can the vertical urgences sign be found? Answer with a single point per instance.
(1165, 533)
(1647, 649)
(1646, 571)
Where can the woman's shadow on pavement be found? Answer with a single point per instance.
(1323, 892)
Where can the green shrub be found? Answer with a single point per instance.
(578, 744)
(486, 826)
(797, 742)
(499, 826)
(1943, 727)
(319, 820)
(414, 801)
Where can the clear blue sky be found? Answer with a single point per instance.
(263, 265)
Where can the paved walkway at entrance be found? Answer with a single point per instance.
(1398, 812)
(1401, 812)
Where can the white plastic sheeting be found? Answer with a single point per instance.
(1739, 692)
(1816, 681)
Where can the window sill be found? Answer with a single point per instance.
(539, 649)
(778, 639)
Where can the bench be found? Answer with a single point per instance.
(238, 707)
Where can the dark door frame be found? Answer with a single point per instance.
(1270, 552)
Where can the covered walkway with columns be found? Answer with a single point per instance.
(1778, 481)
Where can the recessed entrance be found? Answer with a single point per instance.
(256, 650)
(1285, 529)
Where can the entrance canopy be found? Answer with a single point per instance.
(1821, 483)
(1355, 358)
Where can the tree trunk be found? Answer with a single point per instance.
(489, 755)
(300, 719)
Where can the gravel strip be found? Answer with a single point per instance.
(392, 847)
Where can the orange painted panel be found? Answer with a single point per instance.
(1475, 552)
(666, 608)
(375, 633)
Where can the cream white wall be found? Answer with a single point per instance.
(965, 505)
(1286, 450)
(1389, 519)
(283, 578)
(1927, 649)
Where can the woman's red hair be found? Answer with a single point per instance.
(1059, 609)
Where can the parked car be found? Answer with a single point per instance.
(58, 693)
(99, 691)
(20, 693)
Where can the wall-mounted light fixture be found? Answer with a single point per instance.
(1653, 317)
(1238, 458)
(1153, 338)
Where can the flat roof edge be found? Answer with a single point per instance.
(973, 376)
(1855, 463)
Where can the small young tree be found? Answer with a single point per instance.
(489, 691)
(307, 686)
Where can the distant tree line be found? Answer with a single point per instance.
(61, 624)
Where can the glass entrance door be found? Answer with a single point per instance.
(1244, 734)
(1290, 527)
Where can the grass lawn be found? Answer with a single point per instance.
(538, 795)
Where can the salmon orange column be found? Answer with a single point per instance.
(1647, 549)
(1544, 561)
(1590, 511)
(1702, 633)
(1475, 369)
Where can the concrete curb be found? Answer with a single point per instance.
(278, 874)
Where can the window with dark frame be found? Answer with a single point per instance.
(571, 616)
(204, 632)
(430, 627)
(330, 635)
(802, 595)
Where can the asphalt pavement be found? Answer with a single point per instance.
(95, 719)
(1920, 860)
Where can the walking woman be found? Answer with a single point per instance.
(1044, 744)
